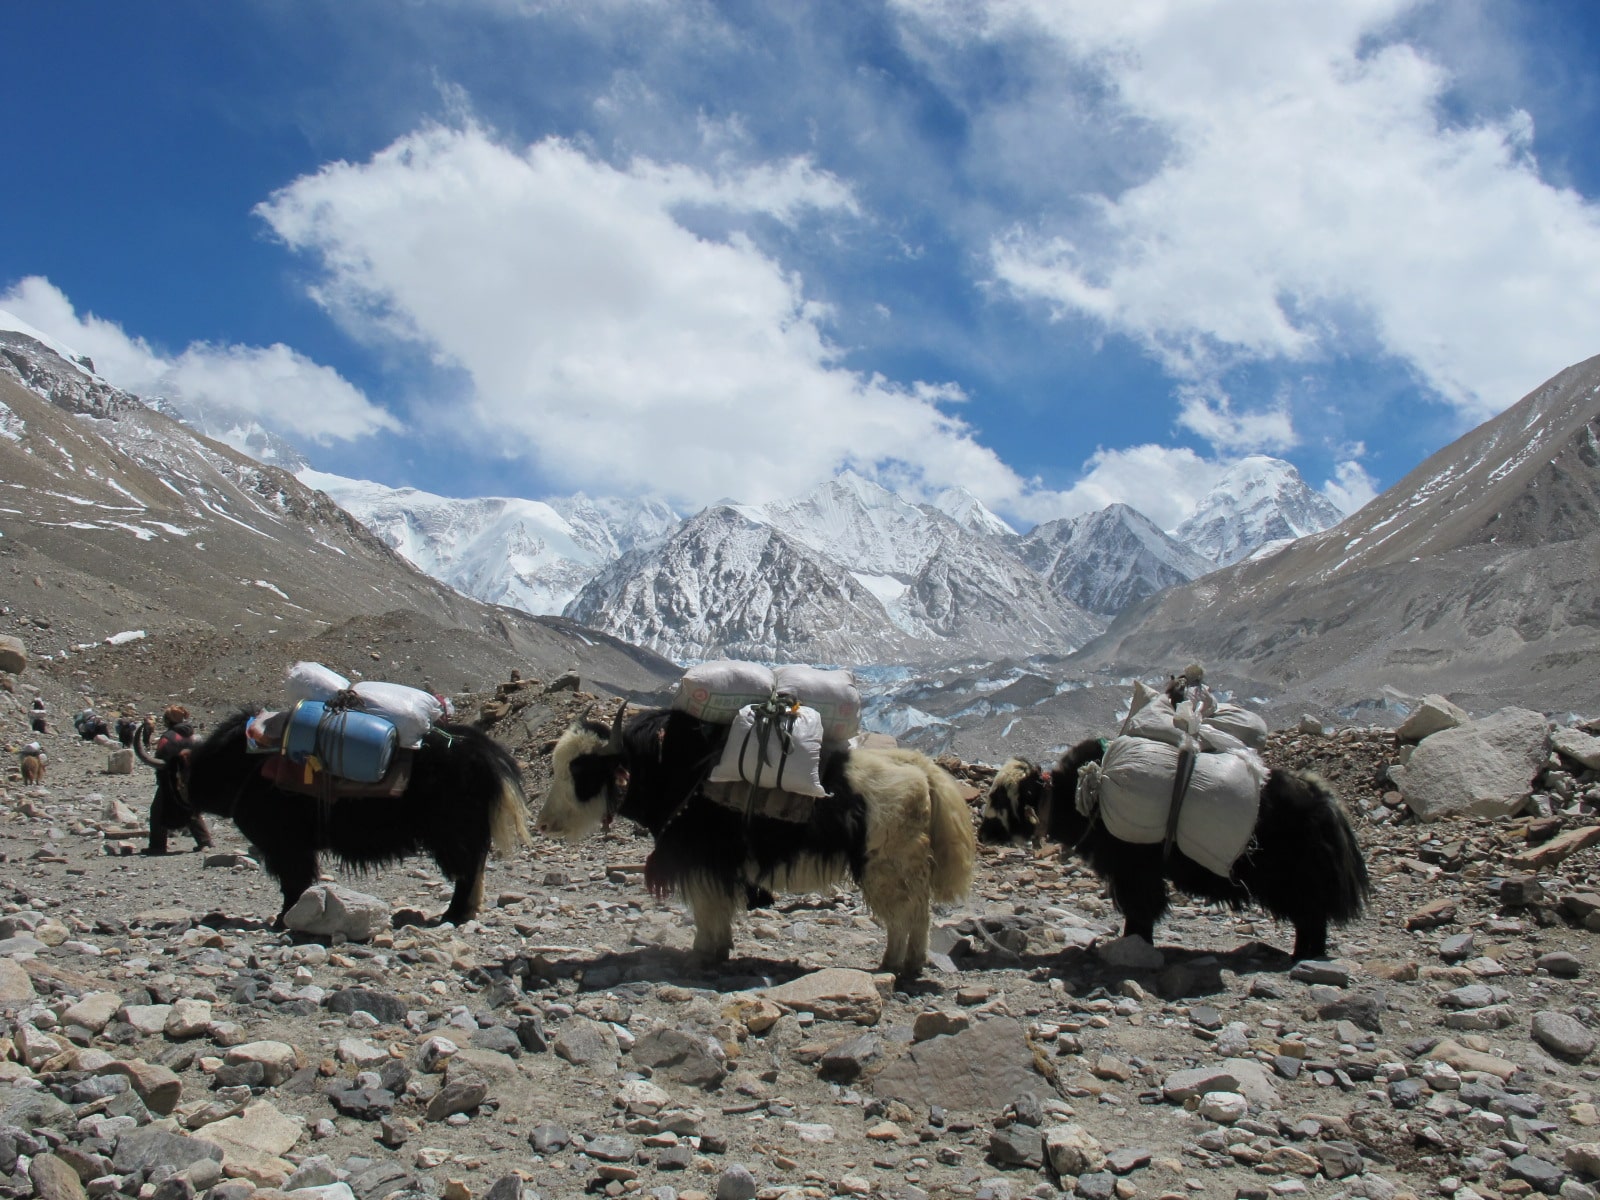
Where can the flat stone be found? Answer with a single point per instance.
(968, 1071)
(1016, 1146)
(158, 1087)
(16, 986)
(327, 909)
(93, 1011)
(1563, 1035)
(278, 1060)
(586, 1043)
(458, 1096)
(1072, 1150)
(53, 1179)
(690, 1057)
(253, 1142)
(834, 994)
(389, 1009)
(142, 1149)
(188, 1019)
(1195, 1082)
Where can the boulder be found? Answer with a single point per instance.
(832, 994)
(326, 909)
(1481, 768)
(13, 654)
(963, 1071)
(1579, 746)
(16, 986)
(1434, 715)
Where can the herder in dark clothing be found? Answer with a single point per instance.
(168, 811)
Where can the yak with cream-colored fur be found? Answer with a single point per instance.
(893, 821)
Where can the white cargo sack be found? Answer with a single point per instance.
(1243, 724)
(715, 691)
(1156, 718)
(1132, 788)
(793, 769)
(313, 681)
(410, 710)
(832, 693)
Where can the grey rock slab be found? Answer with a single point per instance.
(1017, 1146)
(386, 1007)
(327, 909)
(1191, 1084)
(586, 1043)
(53, 1179)
(458, 1096)
(682, 1056)
(970, 1071)
(1563, 1035)
(736, 1183)
(145, 1148)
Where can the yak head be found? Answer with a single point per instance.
(1012, 807)
(589, 777)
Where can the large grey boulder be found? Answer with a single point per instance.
(328, 909)
(1483, 768)
(13, 654)
(1434, 715)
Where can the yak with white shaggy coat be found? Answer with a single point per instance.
(894, 822)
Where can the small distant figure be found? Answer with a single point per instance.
(516, 675)
(40, 715)
(92, 727)
(127, 725)
(31, 759)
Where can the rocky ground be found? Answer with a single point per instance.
(157, 1040)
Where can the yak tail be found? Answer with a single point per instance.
(952, 842)
(508, 819)
(1346, 883)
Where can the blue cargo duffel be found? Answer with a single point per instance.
(346, 742)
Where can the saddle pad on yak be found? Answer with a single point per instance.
(1133, 787)
(774, 803)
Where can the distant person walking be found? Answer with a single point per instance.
(41, 723)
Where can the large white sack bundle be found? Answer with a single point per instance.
(1250, 728)
(313, 681)
(1155, 717)
(1132, 787)
(715, 691)
(412, 710)
(796, 769)
(832, 693)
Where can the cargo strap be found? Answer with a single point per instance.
(773, 718)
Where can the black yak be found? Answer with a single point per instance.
(893, 821)
(1302, 863)
(464, 798)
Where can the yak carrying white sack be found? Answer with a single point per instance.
(793, 769)
(410, 710)
(1132, 787)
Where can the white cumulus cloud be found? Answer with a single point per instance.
(607, 334)
(274, 384)
(1312, 189)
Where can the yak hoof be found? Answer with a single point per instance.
(153, 851)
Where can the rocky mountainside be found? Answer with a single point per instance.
(1109, 560)
(1259, 502)
(1476, 576)
(118, 523)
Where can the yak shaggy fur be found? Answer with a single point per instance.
(32, 768)
(894, 822)
(1303, 864)
(464, 799)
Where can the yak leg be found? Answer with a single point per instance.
(1139, 890)
(295, 874)
(896, 887)
(713, 910)
(1310, 939)
(468, 897)
(200, 831)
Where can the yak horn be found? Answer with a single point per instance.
(616, 728)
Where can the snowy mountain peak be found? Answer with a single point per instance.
(1110, 559)
(1258, 500)
(969, 512)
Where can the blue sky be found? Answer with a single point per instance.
(1058, 252)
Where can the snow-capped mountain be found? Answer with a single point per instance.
(1108, 560)
(905, 582)
(527, 554)
(971, 513)
(229, 426)
(1257, 501)
(727, 583)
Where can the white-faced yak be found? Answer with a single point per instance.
(893, 821)
(1301, 864)
(462, 799)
